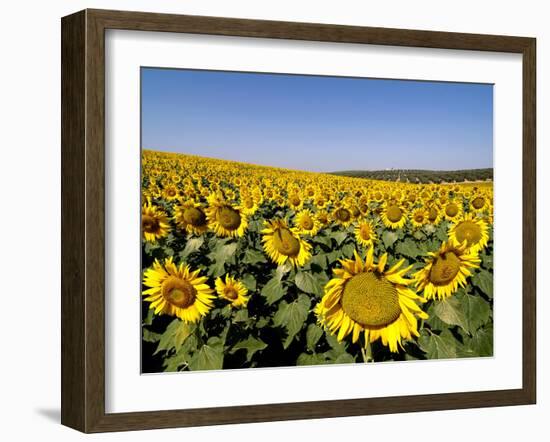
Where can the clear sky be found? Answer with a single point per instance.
(318, 123)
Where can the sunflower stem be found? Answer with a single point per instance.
(367, 353)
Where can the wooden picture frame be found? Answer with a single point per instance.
(83, 219)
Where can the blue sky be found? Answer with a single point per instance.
(318, 123)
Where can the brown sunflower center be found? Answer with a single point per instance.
(194, 216)
(178, 292)
(468, 231)
(478, 202)
(378, 196)
(150, 224)
(343, 214)
(229, 218)
(394, 213)
(451, 209)
(306, 222)
(286, 243)
(248, 203)
(231, 293)
(371, 300)
(419, 217)
(365, 232)
(444, 269)
(432, 215)
(171, 192)
(295, 201)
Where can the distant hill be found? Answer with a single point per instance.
(422, 176)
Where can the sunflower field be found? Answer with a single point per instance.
(251, 266)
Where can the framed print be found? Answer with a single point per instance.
(268, 220)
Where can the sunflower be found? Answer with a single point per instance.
(170, 192)
(471, 229)
(365, 234)
(446, 270)
(478, 203)
(232, 290)
(364, 297)
(154, 222)
(190, 216)
(320, 200)
(452, 210)
(323, 217)
(434, 214)
(295, 201)
(342, 216)
(282, 244)
(306, 223)
(377, 196)
(419, 217)
(225, 219)
(248, 205)
(177, 291)
(393, 216)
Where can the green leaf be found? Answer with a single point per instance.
(476, 310)
(292, 316)
(344, 358)
(219, 256)
(339, 237)
(451, 312)
(319, 260)
(323, 239)
(419, 235)
(388, 238)
(313, 334)
(249, 282)
(251, 345)
(443, 346)
(150, 247)
(241, 316)
(429, 229)
(487, 261)
(481, 343)
(347, 250)
(441, 231)
(192, 245)
(314, 359)
(273, 290)
(148, 320)
(168, 251)
(308, 283)
(209, 357)
(433, 321)
(175, 335)
(149, 336)
(182, 356)
(337, 348)
(252, 257)
(483, 280)
(408, 248)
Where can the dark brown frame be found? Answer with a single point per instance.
(83, 216)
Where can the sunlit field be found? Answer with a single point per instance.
(250, 266)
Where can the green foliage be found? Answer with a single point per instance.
(308, 283)
(484, 281)
(273, 290)
(292, 317)
(251, 345)
(209, 356)
(279, 322)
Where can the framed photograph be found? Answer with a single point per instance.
(267, 220)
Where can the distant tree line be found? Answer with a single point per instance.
(422, 176)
